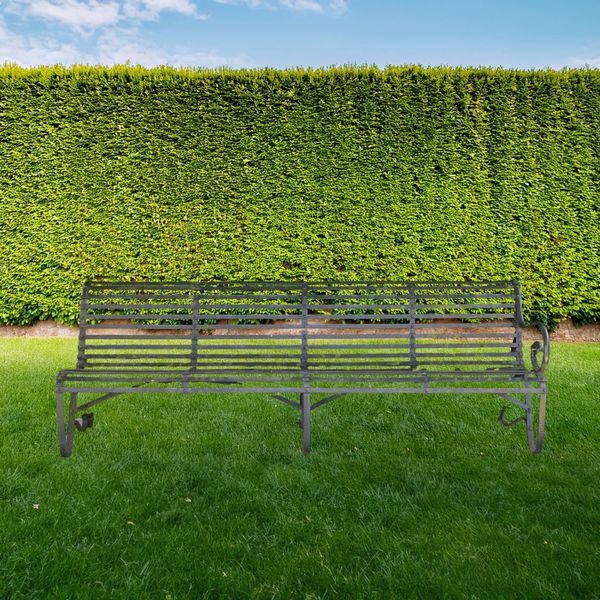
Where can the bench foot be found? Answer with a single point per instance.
(84, 422)
(502, 418)
(305, 422)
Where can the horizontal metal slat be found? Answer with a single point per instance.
(147, 327)
(513, 371)
(138, 336)
(140, 364)
(465, 326)
(138, 346)
(140, 317)
(87, 372)
(363, 306)
(105, 308)
(246, 336)
(273, 293)
(355, 355)
(421, 390)
(298, 283)
(419, 346)
(399, 334)
(383, 306)
(437, 316)
(139, 296)
(204, 365)
(202, 345)
(130, 356)
(244, 355)
(421, 361)
(240, 370)
(420, 355)
(153, 296)
(188, 316)
(329, 296)
(379, 286)
(197, 285)
(299, 389)
(257, 317)
(192, 294)
(290, 317)
(254, 306)
(137, 306)
(472, 296)
(318, 366)
(467, 305)
(463, 345)
(405, 317)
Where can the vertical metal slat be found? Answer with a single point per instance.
(304, 352)
(195, 318)
(83, 315)
(413, 318)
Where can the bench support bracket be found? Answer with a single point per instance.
(327, 400)
(296, 405)
(534, 445)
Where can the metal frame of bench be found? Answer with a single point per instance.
(288, 338)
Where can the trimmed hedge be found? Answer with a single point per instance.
(402, 173)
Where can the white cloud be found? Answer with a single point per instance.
(590, 61)
(299, 5)
(87, 16)
(30, 51)
(588, 55)
(113, 45)
(251, 3)
(118, 45)
(149, 10)
(338, 5)
(81, 16)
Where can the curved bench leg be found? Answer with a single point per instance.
(305, 420)
(65, 434)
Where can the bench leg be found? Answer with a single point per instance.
(541, 424)
(305, 421)
(65, 434)
(535, 446)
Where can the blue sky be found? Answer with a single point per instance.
(308, 33)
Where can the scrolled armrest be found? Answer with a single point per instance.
(543, 347)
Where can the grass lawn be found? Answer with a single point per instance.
(210, 496)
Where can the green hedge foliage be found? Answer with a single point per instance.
(404, 173)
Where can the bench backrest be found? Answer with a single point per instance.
(273, 326)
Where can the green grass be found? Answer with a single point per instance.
(210, 496)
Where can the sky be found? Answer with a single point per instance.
(522, 34)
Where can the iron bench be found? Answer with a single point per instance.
(303, 339)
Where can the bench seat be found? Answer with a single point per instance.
(423, 380)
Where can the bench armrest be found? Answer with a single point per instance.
(538, 347)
